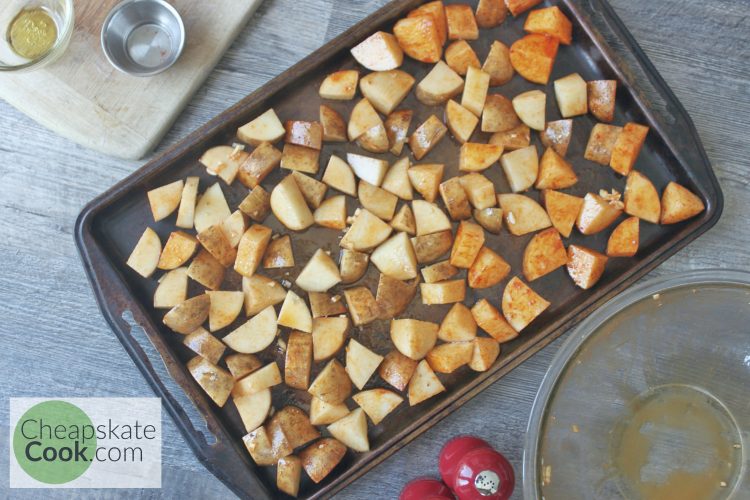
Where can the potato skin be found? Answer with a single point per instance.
(321, 457)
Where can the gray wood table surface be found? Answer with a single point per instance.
(55, 342)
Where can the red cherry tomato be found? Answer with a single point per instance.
(452, 453)
(483, 474)
(426, 489)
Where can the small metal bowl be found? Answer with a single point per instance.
(143, 37)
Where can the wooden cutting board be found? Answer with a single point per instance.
(82, 97)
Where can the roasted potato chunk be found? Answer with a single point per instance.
(623, 242)
(289, 206)
(266, 449)
(302, 133)
(397, 129)
(323, 304)
(521, 304)
(489, 319)
(475, 90)
(397, 369)
(413, 338)
(497, 64)
(475, 157)
(491, 13)
(332, 385)
(386, 89)
(439, 272)
(339, 175)
(679, 204)
(187, 316)
(261, 292)
(225, 307)
(299, 350)
(363, 118)
(328, 336)
(601, 96)
(295, 424)
(461, 122)
(377, 403)
(597, 214)
(491, 219)
(362, 306)
(404, 221)
(257, 204)
(321, 457)
(206, 270)
(361, 363)
(334, 126)
(186, 211)
(498, 114)
(425, 179)
(352, 430)
(394, 296)
(485, 353)
(556, 135)
(533, 57)
(544, 253)
(146, 255)
(424, 384)
(455, 199)
(215, 241)
(430, 247)
(429, 218)
(521, 168)
(488, 269)
(427, 136)
(178, 249)
(211, 208)
(319, 274)
(531, 108)
(216, 381)
(517, 7)
(396, 258)
(288, 473)
(461, 22)
(341, 85)
(516, 138)
(479, 189)
(585, 266)
(419, 38)
(458, 325)
(447, 358)
(437, 11)
(444, 292)
(466, 245)
(255, 334)
(641, 198)
(204, 344)
(172, 289)
(439, 85)
(601, 142)
(379, 52)
(165, 199)
(353, 265)
(265, 128)
(550, 21)
(522, 214)
(563, 210)
(570, 92)
(459, 56)
(368, 169)
(251, 249)
(366, 232)
(555, 172)
(627, 148)
(279, 253)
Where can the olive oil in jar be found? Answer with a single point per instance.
(32, 33)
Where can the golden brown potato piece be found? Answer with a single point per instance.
(146, 255)
(623, 242)
(379, 52)
(322, 413)
(498, 64)
(550, 21)
(479, 189)
(489, 319)
(258, 165)
(264, 128)
(447, 358)
(425, 179)
(279, 253)
(386, 89)
(430, 247)
(187, 316)
(521, 305)
(339, 175)
(466, 245)
(601, 94)
(419, 38)
(352, 265)
(257, 204)
(241, 365)
(544, 253)
(396, 258)
(165, 199)
(261, 292)
(458, 325)
(298, 362)
(216, 381)
(444, 292)
(204, 344)
(266, 449)
(211, 208)
(556, 135)
(302, 133)
(321, 457)
(397, 129)
(437, 11)
(377, 403)
(475, 90)
(679, 204)
(491, 13)
(294, 313)
(334, 126)
(424, 384)
(627, 147)
(641, 198)
(517, 7)
(259, 380)
(234, 227)
(361, 363)
(427, 136)
(394, 296)
(439, 272)
(488, 269)
(225, 307)
(485, 353)
(563, 209)
(516, 138)
(491, 219)
(366, 232)
(461, 22)
(459, 56)
(253, 409)
(429, 218)
(521, 168)
(601, 142)
(585, 266)
(206, 270)
(300, 158)
(533, 57)
(328, 336)
(341, 85)
(374, 140)
(461, 122)
(439, 85)
(352, 430)
(522, 214)
(215, 241)
(555, 172)
(172, 289)
(413, 338)
(455, 199)
(597, 214)
(498, 114)
(397, 369)
(362, 305)
(178, 249)
(531, 108)
(323, 304)
(378, 201)
(251, 249)
(186, 211)
(288, 474)
(332, 384)
(404, 221)
(255, 334)
(289, 205)
(295, 424)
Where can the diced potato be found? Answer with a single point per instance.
(498, 64)
(522, 214)
(323, 304)
(455, 199)
(363, 118)
(491, 219)
(187, 316)
(241, 365)
(488, 269)
(341, 85)
(437, 11)
(361, 363)
(424, 384)
(265, 128)
(601, 142)
(295, 314)
(499, 114)
(353, 265)
(322, 413)
(279, 253)
(289, 206)
(253, 409)
(413, 338)
(378, 201)
(466, 245)
(339, 175)
(257, 204)
(623, 242)
(427, 136)
(215, 241)
(517, 7)
(447, 358)
(585, 266)
(404, 221)
(352, 430)
(332, 385)
(521, 168)
(485, 353)
(319, 274)
(479, 189)
(491, 13)
(430, 247)
(255, 334)
(544, 253)
(397, 129)
(426, 179)
(298, 362)
(521, 304)
(563, 210)
(570, 92)
(395, 258)
(475, 157)
(362, 306)
(475, 90)
(386, 89)
(461, 22)
(377, 403)
(550, 21)
(601, 95)
(429, 218)
(394, 295)
(205, 345)
(224, 161)
(172, 289)
(211, 208)
(334, 126)
(461, 122)
(266, 450)
(458, 325)
(397, 369)
(300, 158)
(206, 270)
(259, 380)
(261, 292)
(368, 169)
(251, 249)
(557, 135)
(366, 232)
(444, 292)
(332, 213)
(225, 307)
(234, 227)
(597, 214)
(216, 381)
(294, 424)
(533, 57)
(531, 107)
(179, 248)
(328, 336)
(627, 148)
(379, 52)
(288, 474)
(419, 38)
(312, 189)
(459, 56)
(165, 199)
(679, 204)
(396, 180)
(555, 172)
(374, 140)
(186, 211)
(516, 138)
(440, 84)
(489, 319)
(321, 457)
(641, 198)
(258, 165)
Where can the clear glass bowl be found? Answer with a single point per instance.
(61, 12)
(649, 397)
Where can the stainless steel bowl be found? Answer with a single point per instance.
(143, 37)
